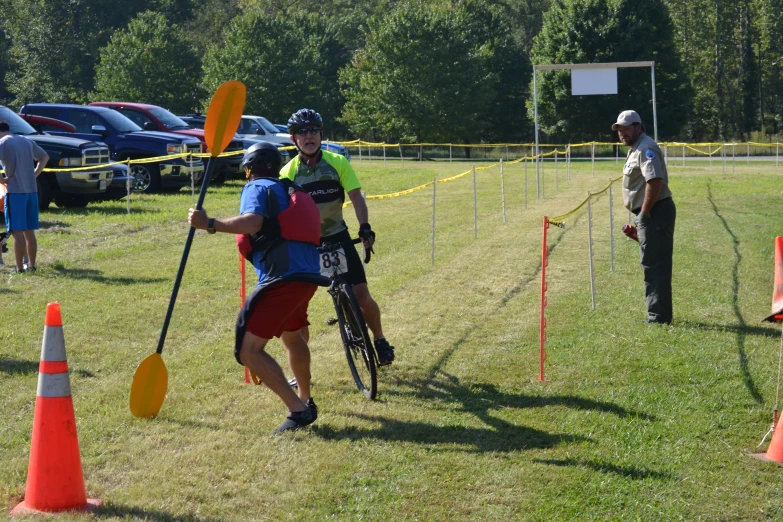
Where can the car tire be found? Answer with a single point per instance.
(146, 178)
(45, 192)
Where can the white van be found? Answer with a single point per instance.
(259, 128)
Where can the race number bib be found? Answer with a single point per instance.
(333, 263)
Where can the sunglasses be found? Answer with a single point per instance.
(308, 130)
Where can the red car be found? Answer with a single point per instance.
(154, 118)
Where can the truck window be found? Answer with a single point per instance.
(135, 116)
(49, 112)
(83, 121)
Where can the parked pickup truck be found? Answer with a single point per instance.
(126, 140)
(66, 189)
(155, 118)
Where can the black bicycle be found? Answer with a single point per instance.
(359, 351)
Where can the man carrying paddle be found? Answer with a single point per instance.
(278, 230)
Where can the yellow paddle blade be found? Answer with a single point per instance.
(223, 115)
(149, 387)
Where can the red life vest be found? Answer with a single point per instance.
(301, 221)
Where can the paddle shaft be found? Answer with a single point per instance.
(202, 193)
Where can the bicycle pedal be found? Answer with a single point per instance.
(331, 321)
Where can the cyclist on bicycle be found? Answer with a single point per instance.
(288, 276)
(327, 176)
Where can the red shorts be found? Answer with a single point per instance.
(281, 308)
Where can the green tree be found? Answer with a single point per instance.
(601, 31)
(149, 62)
(424, 75)
(286, 63)
(54, 44)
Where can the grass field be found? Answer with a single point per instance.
(636, 422)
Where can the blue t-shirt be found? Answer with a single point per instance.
(292, 257)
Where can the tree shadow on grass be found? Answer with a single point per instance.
(741, 330)
(604, 467)
(112, 510)
(18, 367)
(95, 275)
(500, 436)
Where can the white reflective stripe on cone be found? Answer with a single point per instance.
(54, 385)
(53, 347)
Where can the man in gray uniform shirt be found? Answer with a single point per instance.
(19, 156)
(646, 193)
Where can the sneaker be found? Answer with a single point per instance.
(24, 262)
(385, 351)
(293, 383)
(313, 408)
(296, 420)
(17, 271)
(31, 269)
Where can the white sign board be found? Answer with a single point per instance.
(593, 81)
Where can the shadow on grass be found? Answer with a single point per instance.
(761, 331)
(741, 330)
(54, 226)
(110, 510)
(95, 275)
(17, 367)
(500, 436)
(603, 467)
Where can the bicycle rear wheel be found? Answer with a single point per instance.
(358, 349)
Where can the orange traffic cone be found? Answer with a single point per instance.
(54, 476)
(775, 451)
(777, 289)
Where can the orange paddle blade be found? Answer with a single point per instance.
(149, 387)
(223, 115)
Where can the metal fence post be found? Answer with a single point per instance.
(525, 161)
(503, 190)
(592, 158)
(434, 184)
(475, 206)
(590, 248)
(611, 230)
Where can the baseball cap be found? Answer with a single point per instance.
(626, 119)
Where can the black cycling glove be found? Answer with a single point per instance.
(366, 233)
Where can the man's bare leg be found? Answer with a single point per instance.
(262, 364)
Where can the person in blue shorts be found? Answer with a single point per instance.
(23, 161)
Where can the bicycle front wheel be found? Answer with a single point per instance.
(358, 349)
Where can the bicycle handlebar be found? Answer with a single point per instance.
(330, 247)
